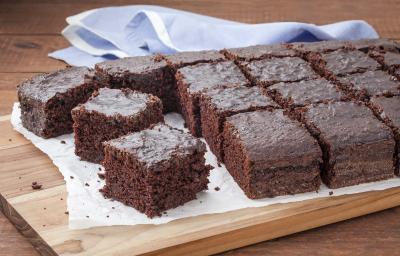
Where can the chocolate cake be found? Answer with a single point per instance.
(258, 52)
(109, 114)
(270, 71)
(183, 59)
(342, 62)
(218, 104)
(192, 81)
(380, 44)
(371, 83)
(306, 92)
(388, 108)
(148, 74)
(155, 170)
(46, 100)
(357, 147)
(268, 154)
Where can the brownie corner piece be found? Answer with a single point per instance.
(46, 100)
(357, 147)
(154, 170)
(218, 104)
(111, 113)
(194, 80)
(268, 154)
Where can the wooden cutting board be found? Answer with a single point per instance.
(40, 214)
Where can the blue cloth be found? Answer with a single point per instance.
(117, 32)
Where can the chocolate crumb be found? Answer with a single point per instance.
(108, 216)
(113, 207)
(330, 193)
(66, 213)
(61, 199)
(99, 168)
(71, 177)
(87, 184)
(19, 178)
(219, 164)
(216, 188)
(35, 185)
(101, 176)
(43, 225)
(87, 216)
(44, 208)
(63, 142)
(10, 140)
(165, 212)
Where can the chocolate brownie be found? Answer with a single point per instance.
(306, 92)
(258, 52)
(390, 60)
(270, 71)
(342, 62)
(148, 74)
(109, 114)
(357, 147)
(268, 154)
(380, 44)
(388, 108)
(216, 105)
(46, 100)
(192, 81)
(182, 59)
(371, 83)
(321, 47)
(155, 170)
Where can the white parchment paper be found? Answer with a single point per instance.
(88, 208)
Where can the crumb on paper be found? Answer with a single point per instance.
(63, 142)
(87, 184)
(216, 188)
(36, 185)
(71, 177)
(101, 176)
(330, 193)
(66, 212)
(10, 140)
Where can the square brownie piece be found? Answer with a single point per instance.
(390, 60)
(371, 83)
(357, 147)
(258, 52)
(147, 74)
(46, 100)
(270, 71)
(218, 104)
(343, 61)
(109, 114)
(299, 94)
(321, 47)
(388, 108)
(183, 59)
(155, 170)
(380, 44)
(192, 81)
(268, 154)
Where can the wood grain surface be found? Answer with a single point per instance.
(30, 29)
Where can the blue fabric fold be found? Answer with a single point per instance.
(117, 32)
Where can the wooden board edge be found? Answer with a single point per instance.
(272, 229)
(25, 229)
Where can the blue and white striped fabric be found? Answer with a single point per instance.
(116, 32)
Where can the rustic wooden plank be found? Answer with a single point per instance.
(48, 17)
(29, 53)
(12, 242)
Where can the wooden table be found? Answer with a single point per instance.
(28, 31)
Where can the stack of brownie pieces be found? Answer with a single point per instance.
(280, 117)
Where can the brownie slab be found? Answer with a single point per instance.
(274, 70)
(343, 61)
(380, 44)
(218, 104)
(183, 59)
(155, 170)
(357, 147)
(389, 110)
(371, 83)
(321, 47)
(109, 114)
(268, 154)
(257, 52)
(192, 81)
(306, 92)
(148, 74)
(46, 100)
